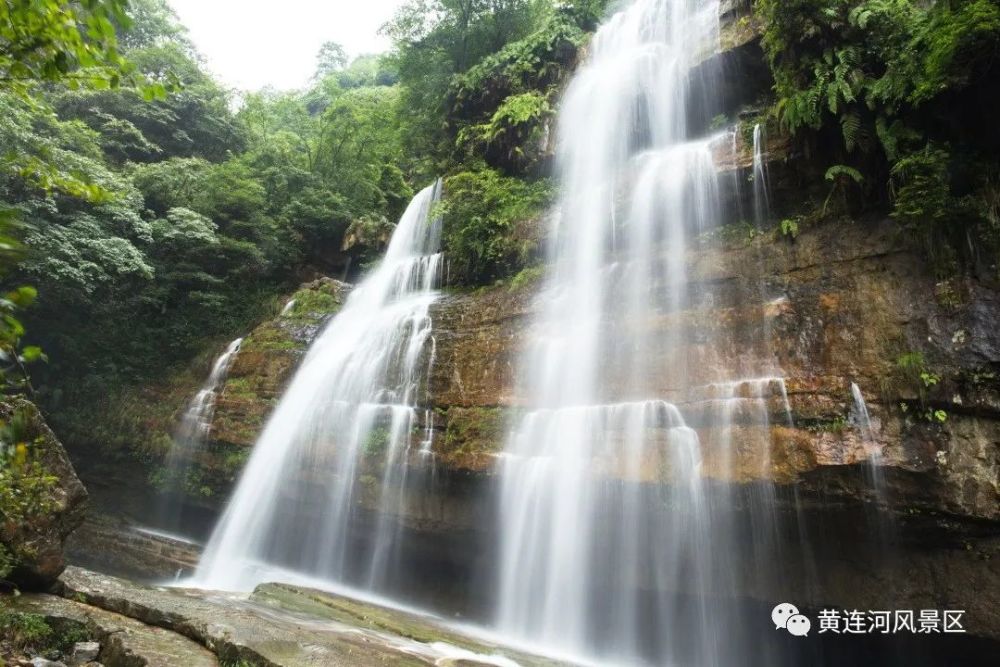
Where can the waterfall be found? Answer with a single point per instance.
(761, 203)
(338, 443)
(191, 435)
(862, 419)
(861, 416)
(614, 536)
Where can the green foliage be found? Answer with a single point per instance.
(925, 205)
(501, 107)
(377, 442)
(8, 562)
(518, 125)
(876, 85)
(14, 359)
(527, 276)
(841, 176)
(24, 631)
(915, 374)
(486, 223)
(436, 44)
(25, 486)
(789, 228)
(68, 43)
(58, 40)
(331, 58)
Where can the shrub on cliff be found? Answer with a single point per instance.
(901, 91)
(489, 224)
(501, 108)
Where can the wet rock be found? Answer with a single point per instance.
(124, 642)
(267, 359)
(839, 308)
(84, 652)
(37, 544)
(42, 662)
(117, 546)
(282, 625)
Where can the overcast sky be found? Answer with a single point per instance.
(250, 44)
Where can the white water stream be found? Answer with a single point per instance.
(614, 540)
(341, 435)
(191, 436)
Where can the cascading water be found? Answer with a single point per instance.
(861, 416)
(614, 537)
(863, 421)
(761, 204)
(341, 434)
(191, 435)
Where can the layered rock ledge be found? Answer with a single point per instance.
(279, 625)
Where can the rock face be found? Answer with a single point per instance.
(848, 305)
(111, 544)
(34, 536)
(851, 306)
(267, 359)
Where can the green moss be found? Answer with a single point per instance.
(233, 462)
(527, 277)
(377, 442)
(836, 424)
(241, 387)
(472, 437)
(316, 302)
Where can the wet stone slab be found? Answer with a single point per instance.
(125, 642)
(283, 625)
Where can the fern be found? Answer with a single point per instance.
(843, 172)
(841, 175)
(850, 125)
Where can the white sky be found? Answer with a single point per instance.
(249, 44)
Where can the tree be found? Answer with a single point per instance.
(331, 58)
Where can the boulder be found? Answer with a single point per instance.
(33, 536)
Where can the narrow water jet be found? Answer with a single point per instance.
(873, 450)
(761, 196)
(189, 440)
(860, 413)
(320, 493)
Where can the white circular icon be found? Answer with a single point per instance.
(798, 625)
(782, 613)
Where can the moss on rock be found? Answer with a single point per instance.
(41, 499)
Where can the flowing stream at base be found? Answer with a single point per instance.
(342, 432)
(614, 538)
